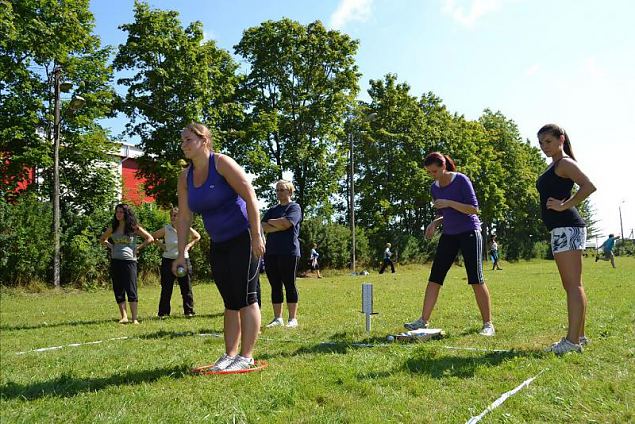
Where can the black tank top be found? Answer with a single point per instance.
(550, 184)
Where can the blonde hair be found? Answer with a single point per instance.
(200, 130)
(288, 185)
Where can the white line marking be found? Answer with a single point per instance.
(477, 349)
(498, 402)
(44, 349)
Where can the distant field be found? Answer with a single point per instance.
(145, 377)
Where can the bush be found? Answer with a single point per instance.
(334, 244)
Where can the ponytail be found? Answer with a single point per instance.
(440, 159)
(558, 131)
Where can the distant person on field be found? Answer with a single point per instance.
(313, 261)
(387, 261)
(457, 208)
(493, 252)
(170, 248)
(282, 226)
(568, 229)
(123, 247)
(607, 249)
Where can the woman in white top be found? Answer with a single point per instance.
(170, 253)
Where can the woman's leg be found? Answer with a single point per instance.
(430, 299)
(483, 301)
(289, 265)
(167, 284)
(274, 275)
(249, 327)
(570, 268)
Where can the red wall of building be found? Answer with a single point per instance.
(132, 191)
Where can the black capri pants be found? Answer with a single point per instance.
(167, 284)
(124, 279)
(470, 244)
(235, 271)
(281, 270)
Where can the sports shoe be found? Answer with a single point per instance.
(240, 363)
(223, 362)
(584, 341)
(276, 322)
(564, 346)
(292, 323)
(416, 324)
(487, 330)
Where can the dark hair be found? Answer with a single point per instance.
(494, 237)
(439, 159)
(129, 218)
(557, 131)
(611, 235)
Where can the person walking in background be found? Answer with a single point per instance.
(607, 249)
(313, 261)
(170, 252)
(457, 208)
(123, 247)
(215, 186)
(493, 252)
(387, 261)
(282, 226)
(568, 229)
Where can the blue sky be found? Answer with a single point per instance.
(537, 61)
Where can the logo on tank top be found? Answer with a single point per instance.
(212, 186)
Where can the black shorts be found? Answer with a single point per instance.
(471, 246)
(235, 271)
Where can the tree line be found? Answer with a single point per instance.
(284, 102)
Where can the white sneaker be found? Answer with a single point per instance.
(276, 322)
(564, 346)
(223, 362)
(292, 323)
(416, 324)
(240, 363)
(487, 330)
(584, 341)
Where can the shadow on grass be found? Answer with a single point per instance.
(433, 364)
(97, 321)
(69, 386)
(338, 343)
(163, 334)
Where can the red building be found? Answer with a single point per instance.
(132, 184)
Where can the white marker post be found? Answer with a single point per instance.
(367, 303)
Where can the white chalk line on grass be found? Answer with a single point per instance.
(44, 349)
(498, 402)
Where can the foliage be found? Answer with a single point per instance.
(301, 82)
(41, 36)
(333, 244)
(177, 77)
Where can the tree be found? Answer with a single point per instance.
(301, 82)
(178, 78)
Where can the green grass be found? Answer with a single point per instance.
(146, 378)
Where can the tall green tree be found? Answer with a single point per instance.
(38, 36)
(300, 84)
(175, 77)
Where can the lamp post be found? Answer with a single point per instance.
(619, 207)
(76, 103)
(367, 118)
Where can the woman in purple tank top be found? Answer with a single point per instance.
(215, 186)
(568, 231)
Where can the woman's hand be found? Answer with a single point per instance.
(442, 203)
(556, 204)
(257, 245)
(430, 229)
(180, 261)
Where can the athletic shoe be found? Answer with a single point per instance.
(584, 341)
(487, 330)
(276, 322)
(223, 362)
(564, 346)
(416, 324)
(240, 363)
(292, 323)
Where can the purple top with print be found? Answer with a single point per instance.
(460, 190)
(224, 211)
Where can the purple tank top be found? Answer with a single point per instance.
(224, 212)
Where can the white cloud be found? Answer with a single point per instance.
(477, 9)
(532, 70)
(351, 10)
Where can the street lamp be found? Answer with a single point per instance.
(619, 207)
(76, 103)
(368, 118)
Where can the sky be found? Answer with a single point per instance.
(570, 62)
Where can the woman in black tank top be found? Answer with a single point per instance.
(568, 232)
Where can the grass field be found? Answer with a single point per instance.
(145, 377)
